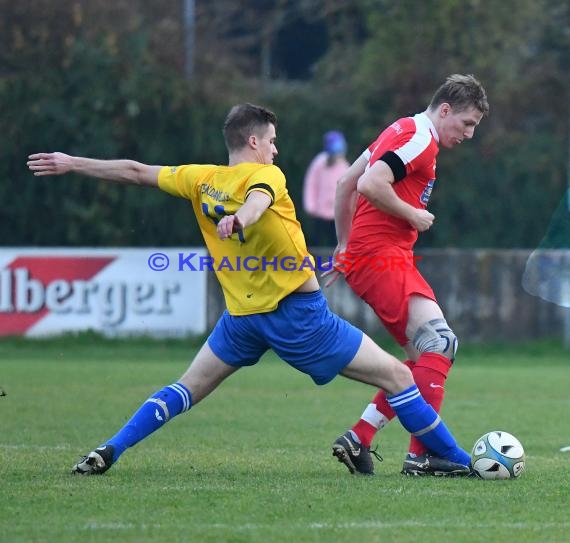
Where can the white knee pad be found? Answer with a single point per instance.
(436, 336)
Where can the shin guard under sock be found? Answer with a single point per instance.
(151, 415)
(430, 373)
(420, 419)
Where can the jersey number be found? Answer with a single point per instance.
(216, 214)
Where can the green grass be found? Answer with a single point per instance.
(252, 463)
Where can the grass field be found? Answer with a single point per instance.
(252, 463)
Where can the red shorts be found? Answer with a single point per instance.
(386, 283)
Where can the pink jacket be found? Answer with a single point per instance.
(320, 186)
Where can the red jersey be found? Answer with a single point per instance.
(415, 141)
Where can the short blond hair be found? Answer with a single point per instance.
(461, 92)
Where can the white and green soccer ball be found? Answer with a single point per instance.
(498, 455)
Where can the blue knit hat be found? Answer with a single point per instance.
(334, 143)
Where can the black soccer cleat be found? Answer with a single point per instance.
(427, 464)
(354, 455)
(473, 474)
(96, 462)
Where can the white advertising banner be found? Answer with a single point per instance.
(117, 292)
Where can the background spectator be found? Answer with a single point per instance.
(319, 189)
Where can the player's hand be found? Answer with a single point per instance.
(422, 220)
(50, 163)
(334, 273)
(228, 225)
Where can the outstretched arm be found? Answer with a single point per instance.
(249, 213)
(121, 171)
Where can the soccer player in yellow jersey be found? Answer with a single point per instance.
(259, 269)
(273, 299)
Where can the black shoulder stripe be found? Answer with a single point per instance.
(263, 186)
(396, 165)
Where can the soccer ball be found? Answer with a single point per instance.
(498, 455)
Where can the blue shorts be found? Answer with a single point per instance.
(303, 331)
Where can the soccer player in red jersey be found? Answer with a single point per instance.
(380, 207)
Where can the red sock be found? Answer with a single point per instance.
(366, 429)
(430, 373)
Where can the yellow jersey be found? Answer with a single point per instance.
(256, 267)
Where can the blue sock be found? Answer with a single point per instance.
(421, 420)
(151, 415)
